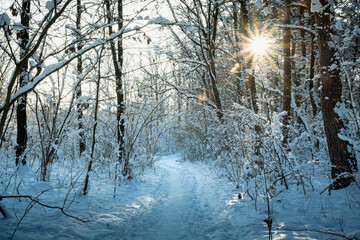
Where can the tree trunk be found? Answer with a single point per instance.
(252, 90)
(86, 185)
(79, 72)
(117, 57)
(343, 162)
(287, 70)
(311, 23)
(312, 74)
(24, 75)
(296, 75)
(212, 25)
(120, 94)
(251, 87)
(237, 49)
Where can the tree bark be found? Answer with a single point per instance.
(343, 161)
(24, 76)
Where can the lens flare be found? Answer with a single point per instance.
(202, 97)
(235, 68)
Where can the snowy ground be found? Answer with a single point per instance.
(180, 200)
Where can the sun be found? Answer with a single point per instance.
(259, 45)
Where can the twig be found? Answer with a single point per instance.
(45, 205)
(356, 183)
(27, 210)
(325, 189)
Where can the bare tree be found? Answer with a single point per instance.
(205, 17)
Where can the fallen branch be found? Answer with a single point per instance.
(42, 204)
(317, 231)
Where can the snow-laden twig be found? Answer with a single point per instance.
(345, 174)
(296, 27)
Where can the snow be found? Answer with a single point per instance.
(47, 71)
(159, 20)
(266, 11)
(18, 26)
(338, 25)
(4, 19)
(258, 3)
(51, 4)
(316, 6)
(176, 200)
(293, 26)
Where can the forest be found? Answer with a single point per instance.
(179, 119)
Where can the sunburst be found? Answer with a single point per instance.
(259, 46)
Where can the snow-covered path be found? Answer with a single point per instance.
(186, 202)
(175, 200)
